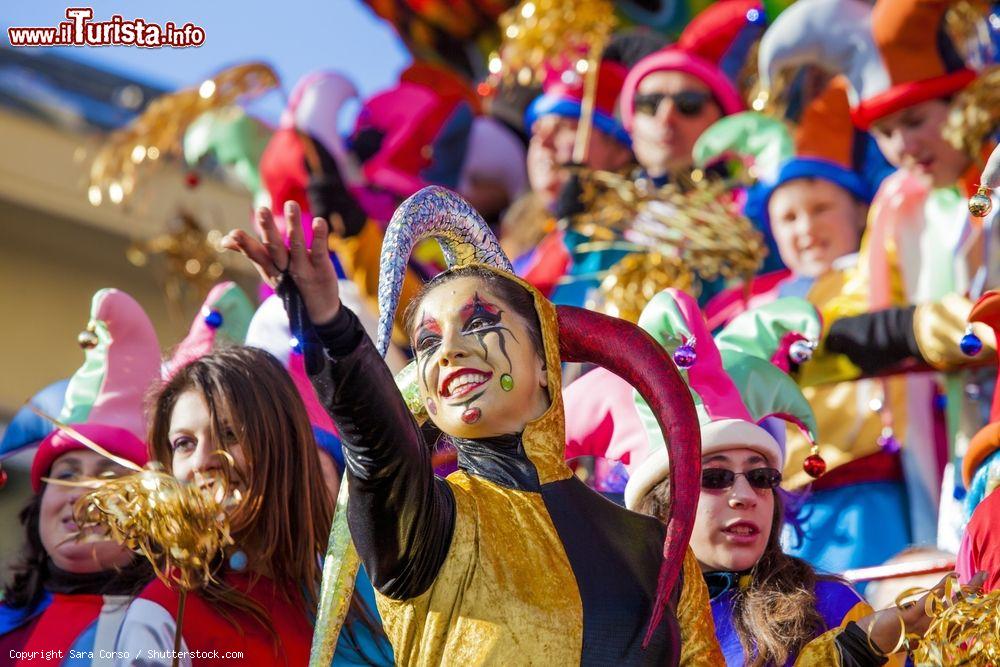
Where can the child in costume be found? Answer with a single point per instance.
(236, 413)
(70, 590)
(511, 559)
(921, 246)
(812, 192)
(769, 608)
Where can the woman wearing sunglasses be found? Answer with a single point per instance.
(769, 608)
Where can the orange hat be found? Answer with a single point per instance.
(919, 59)
(825, 130)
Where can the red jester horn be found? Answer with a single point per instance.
(586, 336)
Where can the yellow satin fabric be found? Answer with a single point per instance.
(846, 426)
(506, 594)
(699, 645)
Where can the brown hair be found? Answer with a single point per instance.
(775, 616)
(283, 522)
(520, 300)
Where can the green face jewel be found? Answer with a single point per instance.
(506, 382)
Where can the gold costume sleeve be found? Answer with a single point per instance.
(699, 646)
(824, 652)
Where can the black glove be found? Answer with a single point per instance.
(570, 198)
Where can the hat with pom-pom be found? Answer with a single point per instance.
(896, 54)
(105, 398)
(739, 390)
(222, 320)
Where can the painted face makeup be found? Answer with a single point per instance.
(476, 363)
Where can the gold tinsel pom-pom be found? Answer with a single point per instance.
(975, 113)
(680, 235)
(179, 527)
(965, 630)
(637, 278)
(542, 34)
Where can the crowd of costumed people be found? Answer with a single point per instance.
(611, 334)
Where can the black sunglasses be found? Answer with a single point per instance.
(716, 479)
(688, 102)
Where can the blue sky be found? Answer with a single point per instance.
(294, 36)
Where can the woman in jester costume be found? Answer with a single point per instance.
(511, 559)
(768, 607)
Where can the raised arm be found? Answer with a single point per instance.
(401, 516)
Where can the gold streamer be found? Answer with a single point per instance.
(544, 35)
(964, 627)
(681, 233)
(965, 631)
(159, 131)
(975, 113)
(179, 527)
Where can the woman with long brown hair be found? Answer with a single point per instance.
(236, 413)
(769, 608)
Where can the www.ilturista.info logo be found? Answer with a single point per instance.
(81, 30)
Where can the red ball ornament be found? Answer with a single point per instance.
(814, 465)
(192, 179)
(3, 478)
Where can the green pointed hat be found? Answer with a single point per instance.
(223, 320)
(737, 389)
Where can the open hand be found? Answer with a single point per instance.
(310, 268)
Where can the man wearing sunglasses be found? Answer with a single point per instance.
(670, 97)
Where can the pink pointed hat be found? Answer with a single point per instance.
(222, 320)
(105, 398)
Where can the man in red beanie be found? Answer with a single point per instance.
(672, 96)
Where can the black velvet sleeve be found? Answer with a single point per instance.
(875, 341)
(401, 516)
(855, 650)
